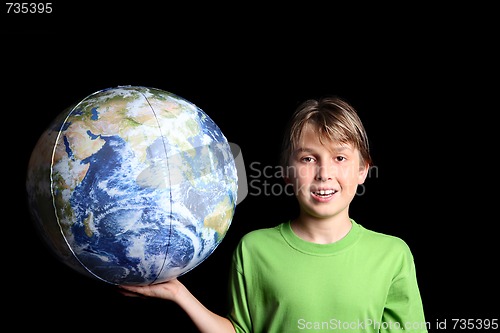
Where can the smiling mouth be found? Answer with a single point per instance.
(324, 193)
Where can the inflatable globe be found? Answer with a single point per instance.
(132, 186)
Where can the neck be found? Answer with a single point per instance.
(321, 231)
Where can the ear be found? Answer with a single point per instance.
(363, 173)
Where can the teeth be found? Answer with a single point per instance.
(325, 192)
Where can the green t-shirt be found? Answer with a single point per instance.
(365, 282)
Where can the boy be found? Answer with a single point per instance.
(321, 271)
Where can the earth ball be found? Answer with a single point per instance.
(132, 186)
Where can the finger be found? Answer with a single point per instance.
(129, 291)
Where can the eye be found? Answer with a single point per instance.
(307, 159)
(340, 158)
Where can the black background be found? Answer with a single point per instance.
(424, 82)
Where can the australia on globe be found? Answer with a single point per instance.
(132, 185)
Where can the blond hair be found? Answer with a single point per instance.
(334, 119)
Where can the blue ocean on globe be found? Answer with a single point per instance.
(132, 185)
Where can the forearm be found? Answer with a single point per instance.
(204, 319)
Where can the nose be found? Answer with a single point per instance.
(323, 172)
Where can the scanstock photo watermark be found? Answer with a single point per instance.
(369, 325)
(267, 180)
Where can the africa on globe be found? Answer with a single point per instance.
(132, 185)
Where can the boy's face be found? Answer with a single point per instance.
(325, 176)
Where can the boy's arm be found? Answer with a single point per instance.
(204, 319)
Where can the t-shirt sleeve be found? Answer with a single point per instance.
(239, 313)
(403, 308)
